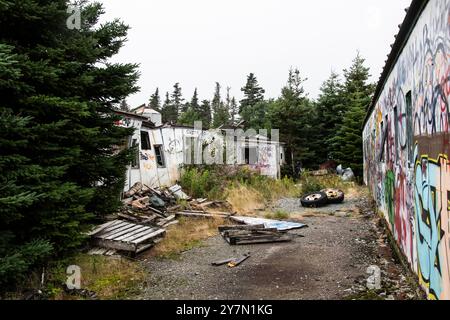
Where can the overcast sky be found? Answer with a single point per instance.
(199, 42)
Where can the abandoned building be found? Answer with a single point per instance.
(163, 149)
(407, 144)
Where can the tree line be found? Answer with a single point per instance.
(314, 131)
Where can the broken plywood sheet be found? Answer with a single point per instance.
(268, 223)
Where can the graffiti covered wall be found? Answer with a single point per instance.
(407, 150)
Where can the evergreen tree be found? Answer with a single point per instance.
(291, 114)
(177, 100)
(220, 112)
(60, 165)
(330, 110)
(155, 101)
(193, 112)
(205, 114)
(253, 94)
(124, 106)
(347, 144)
(169, 111)
(233, 111)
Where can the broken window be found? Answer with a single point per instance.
(145, 141)
(135, 161)
(396, 134)
(159, 153)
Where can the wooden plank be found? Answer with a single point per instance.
(113, 232)
(200, 215)
(117, 245)
(154, 210)
(124, 236)
(149, 236)
(102, 227)
(115, 227)
(222, 262)
(144, 247)
(138, 235)
(260, 241)
(124, 232)
(241, 227)
(128, 217)
(170, 224)
(233, 264)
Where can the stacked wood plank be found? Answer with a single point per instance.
(254, 234)
(125, 236)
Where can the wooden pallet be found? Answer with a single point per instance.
(257, 234)
(125, 236)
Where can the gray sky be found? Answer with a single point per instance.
(199, 42)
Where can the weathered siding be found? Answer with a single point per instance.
(407, 148)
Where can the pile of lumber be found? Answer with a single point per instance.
(252, 234)
(124, 236)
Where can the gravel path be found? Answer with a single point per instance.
(328, 260)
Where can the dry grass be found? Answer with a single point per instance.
(186, 235)
(109, 277)
(245, 200)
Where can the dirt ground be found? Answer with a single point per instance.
(327, 260)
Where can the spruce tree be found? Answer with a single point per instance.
(234, 112)
(291, 114)
(177, 101)
(60, 162)
(205, 114)
(155, 101)
(253, 94)
(347, 144)
(193, 112)
(220, 111)
(169, 112)
(330, 110)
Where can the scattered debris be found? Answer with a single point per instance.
(345, 174)
(268, 223)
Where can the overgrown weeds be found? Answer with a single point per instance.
(110, 278)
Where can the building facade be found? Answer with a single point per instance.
(407, 144)
(163, 150)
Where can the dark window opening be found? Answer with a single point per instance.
(251, 155)
(135, 161)
(145, 141)
(159, 153)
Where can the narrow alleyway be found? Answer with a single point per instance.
(328, 260)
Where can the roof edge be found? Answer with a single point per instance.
(412, 16)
